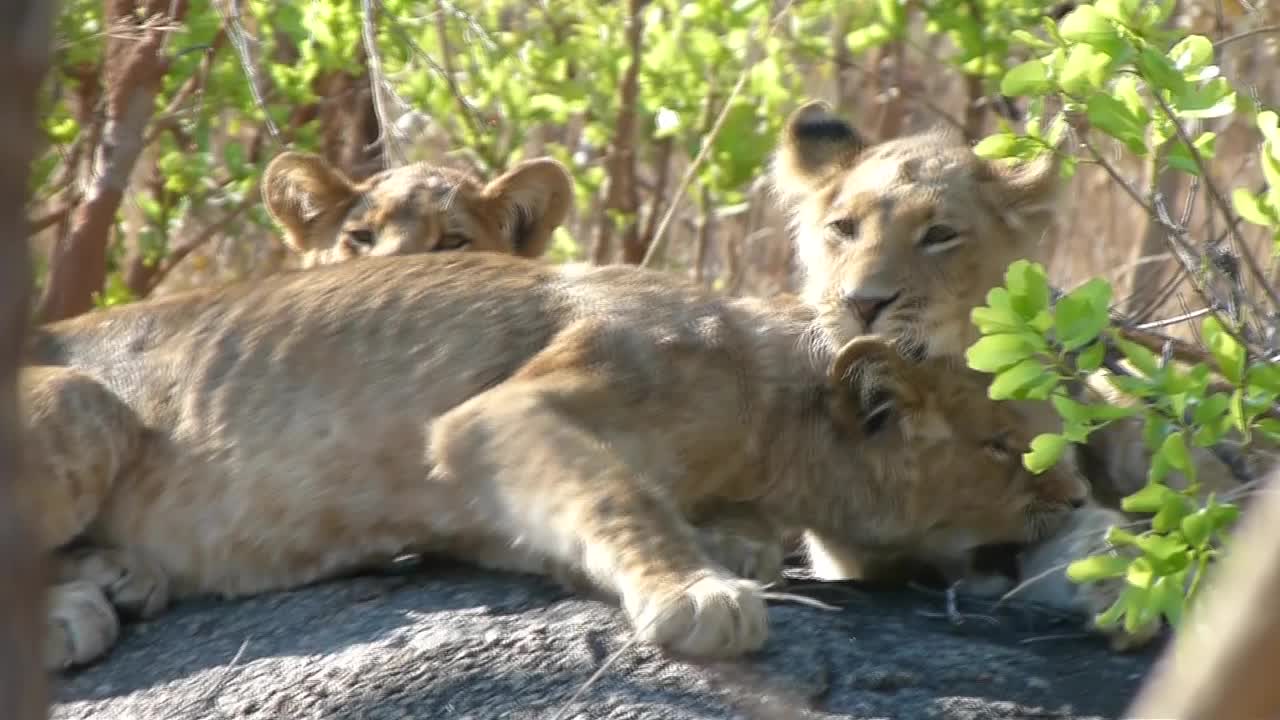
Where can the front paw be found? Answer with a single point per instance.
(135, 586)
(81, 625)
(714, 616)
(759, 560)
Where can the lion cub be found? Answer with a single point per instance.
(903, 239)
(328, 218)
(520, 415)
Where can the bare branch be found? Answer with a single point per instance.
(231, 19)
(388, 134)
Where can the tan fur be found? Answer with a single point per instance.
(566, 420)
(328, 218)
(904, 239)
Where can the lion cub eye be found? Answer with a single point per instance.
(939, 238)
(999, 446)
(360, 238)
(453, 241)
(845, 228)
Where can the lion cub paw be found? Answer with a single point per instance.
(716, 616)
(759, 560)
(135, 586)
(81, 625)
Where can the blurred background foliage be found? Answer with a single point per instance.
(162, 113)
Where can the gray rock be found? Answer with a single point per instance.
(451, 642)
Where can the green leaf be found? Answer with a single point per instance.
(1171, 513)
(1126, 90)
(1197, 527)
(1159, 72)
(1028, 288)
(1046, 450)
(1191, 53)
(1112, 117)
(1029, 78)
(993, 353)
(1139, 356)
(1009, 381)
(1253, 208)
(1070, 409)
(1212, 99)
(1084, 70)
(1086, 25)
(1118, 537)
(995, 147)
(1097, 567)
(1149, 499)
(1140, 573)
(1227, 351)
(1082, 314)
(1174, 450)
(991, 320)
(1090, 358)
(1166, 595)
(1181, 158)
(893, 14)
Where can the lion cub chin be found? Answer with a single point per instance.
(617, 426)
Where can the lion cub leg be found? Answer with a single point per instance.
(741, 538)
(527, 452)
(78, 437)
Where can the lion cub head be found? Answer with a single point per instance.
(943, 461)
(328, 218)
(904, 238)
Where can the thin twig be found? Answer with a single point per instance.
(231, 18)
(1175, 320)
(1223, 206)
(392, 153)
(659, 239)
(469, 112)
(1246, 34)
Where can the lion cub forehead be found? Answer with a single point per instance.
(418, 183)
(926, 160)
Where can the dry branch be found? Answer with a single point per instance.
(134, 68)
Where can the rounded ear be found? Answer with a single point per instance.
(866, 379)
(297, 188)
(1027, 193)
(534, 198)
(814, 145)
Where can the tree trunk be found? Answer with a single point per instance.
(134, 68)
(621, 195)
(25, 43)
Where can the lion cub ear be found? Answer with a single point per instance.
(869, 384)
(299, 187)
(1026, 193)
(533, 198)
(815, 144)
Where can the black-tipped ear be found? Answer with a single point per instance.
(299, 187)
(535, 197)
(815, 144)
(867, 385)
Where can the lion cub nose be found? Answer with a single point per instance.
(868, 307)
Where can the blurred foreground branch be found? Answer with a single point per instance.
(25, 43)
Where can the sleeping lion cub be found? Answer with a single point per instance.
(607, 424)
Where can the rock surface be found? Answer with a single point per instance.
(451, 642)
